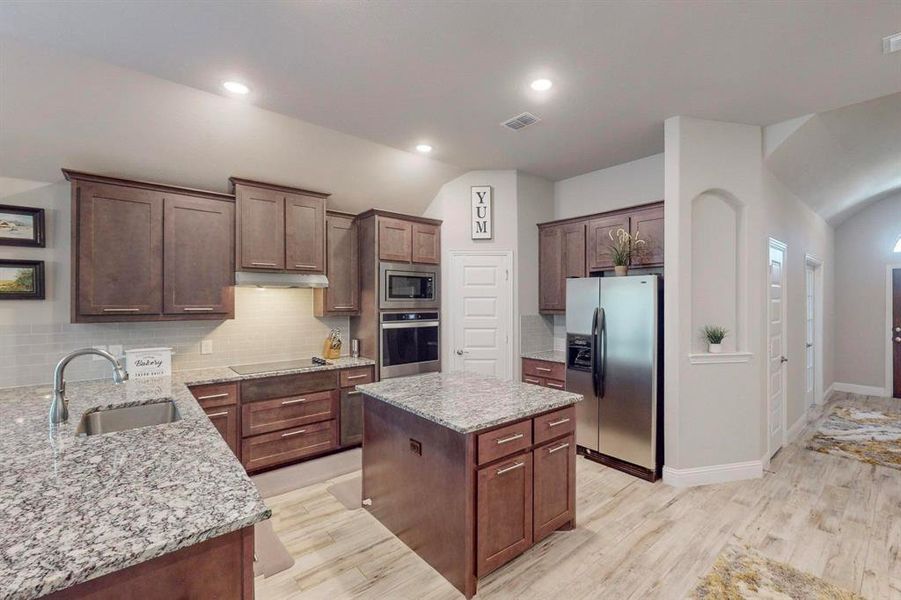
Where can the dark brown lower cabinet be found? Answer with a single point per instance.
(504, 507)
(554, 495)
(220, 403)
(351, 418)
(225, 419)
(279, 447)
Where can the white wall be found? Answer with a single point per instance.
(535, 204)
(716, 413)
(621, 186)
(34, 334)
(863, 250)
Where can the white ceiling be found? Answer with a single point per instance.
(840, 161)
(400, 72)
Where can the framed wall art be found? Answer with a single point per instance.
(21, 226)
(21, 279)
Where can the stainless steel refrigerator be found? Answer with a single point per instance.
(613, 342)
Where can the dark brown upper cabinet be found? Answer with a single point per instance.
(551, 283)
(124, 232)
(577, 247)
(426, 244)
(395, 240)
(649, 224)
(279, 228)
(304, 233)
(599, 242)
(342, 296)
(199, 235)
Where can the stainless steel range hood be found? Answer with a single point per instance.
(279, 280)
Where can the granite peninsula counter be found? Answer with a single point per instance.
(74, 509)
(468, 471)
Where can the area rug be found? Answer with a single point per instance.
(269, 553)
(349, 493)
(742, 574)
(871, 436)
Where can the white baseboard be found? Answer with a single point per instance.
(828, 392)
(752, 469)
(864, 390)
(795, 430)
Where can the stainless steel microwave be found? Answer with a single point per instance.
(404, 286)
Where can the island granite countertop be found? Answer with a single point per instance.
(557, 356)
(466, 402)
(75, 508)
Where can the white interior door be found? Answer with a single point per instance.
(810, 339)
(776, 334)
(481, 303)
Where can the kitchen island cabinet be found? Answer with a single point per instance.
(467, 470)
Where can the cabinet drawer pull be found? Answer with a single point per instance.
(560, 447)
(558, 386)
(306, 266)
(354, 393)
(224, 413)
(261, 264)
(121, 309)
(290, 433)
(510, 468)
(198, 308)
(512, 438)
(342, 307)
(545, 369)
(295, 401)
(560, 422)
(211, 396)
(535, 381)
(358, 376)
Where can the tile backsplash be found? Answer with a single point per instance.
(536, 333)
(269, 324)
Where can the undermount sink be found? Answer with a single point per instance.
(127, 417)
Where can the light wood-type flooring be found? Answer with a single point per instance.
(834, 517)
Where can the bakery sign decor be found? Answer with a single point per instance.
(481, 212)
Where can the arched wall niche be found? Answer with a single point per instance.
(718, 268)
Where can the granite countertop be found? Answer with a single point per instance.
(466, 402)
(76, 508)
(557, 356)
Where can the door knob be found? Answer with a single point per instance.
(783, 359)
(808, 345)
(459, 353)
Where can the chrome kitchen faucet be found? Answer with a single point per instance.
(59, 406)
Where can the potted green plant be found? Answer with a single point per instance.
(624, 248)
(714, 334)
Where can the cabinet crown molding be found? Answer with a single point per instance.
(394, 215)
(609, 213)
(74, 176)
(236, 181)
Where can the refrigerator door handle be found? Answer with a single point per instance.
(594, 351)
(602, 352)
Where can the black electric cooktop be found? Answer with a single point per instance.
(282, 365)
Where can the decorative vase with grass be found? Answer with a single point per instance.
(714, 334)
(624, 248)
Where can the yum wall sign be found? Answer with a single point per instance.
(481, 212)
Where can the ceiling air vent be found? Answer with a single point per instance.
(520, 121)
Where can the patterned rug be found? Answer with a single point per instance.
(742, 574)
(869, 435)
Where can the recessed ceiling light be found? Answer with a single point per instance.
(236, 87)
(424, 148)
(542, 85)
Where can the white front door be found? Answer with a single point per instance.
(776, 343)
(810, 337)
(481, 304)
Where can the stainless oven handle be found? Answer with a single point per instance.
(410, 324)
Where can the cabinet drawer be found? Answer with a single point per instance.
(352, 377)
(216, 394)
(554, 384)
(282, 413)
(281, 447)
(555, 424)
(543, 368)
(533, 380)
(554, 468)
(283, 386)
(504, 441)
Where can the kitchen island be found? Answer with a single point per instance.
(468, 471)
